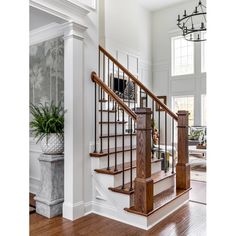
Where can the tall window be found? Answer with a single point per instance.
(203, 110)
(184, 103)
(182, 56)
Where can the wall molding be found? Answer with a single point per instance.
(69, 10)
(54, 30)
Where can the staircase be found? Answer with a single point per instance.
(137, 180)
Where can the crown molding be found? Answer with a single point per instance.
(69, 10)
(54, 30)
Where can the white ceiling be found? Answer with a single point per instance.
(154, 5)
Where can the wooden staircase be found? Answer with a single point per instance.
(133, 184)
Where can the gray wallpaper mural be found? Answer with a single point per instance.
(47, 71)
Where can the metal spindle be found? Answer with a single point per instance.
(101, 110)
(103, 74)
(123, 150)
(95, 120)
(118, 81)
(115, 136)
(173, 152)
(123, 86)
(140, 98)
(159, 130)
(131, 158)
(165, 142)
(146, 100)
(153, 122)
(108, 126)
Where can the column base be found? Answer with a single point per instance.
(143, 195)
(183, 176)
(48, 209)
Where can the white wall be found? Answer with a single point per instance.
(163, 28)
(125, 31)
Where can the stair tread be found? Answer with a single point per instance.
(113, 122)
(112, 151)
(157, 177)
(161, 199)
(127, 166)
(118, 135)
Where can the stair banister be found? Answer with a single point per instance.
(139, 83)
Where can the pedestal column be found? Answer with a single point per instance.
(50, 197)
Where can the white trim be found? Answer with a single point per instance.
(54, 30)
(73, 211)
(65, 9)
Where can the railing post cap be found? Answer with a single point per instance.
(143, 110)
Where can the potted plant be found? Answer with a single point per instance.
(48, 127)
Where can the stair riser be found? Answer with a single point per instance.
(101, 162)
(119, 142)
(112, 128)
(116, 180)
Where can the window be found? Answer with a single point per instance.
(182, 56)
(184, 103)
(203, 110)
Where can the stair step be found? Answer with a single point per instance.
(112, 151)
(113, 122)
(118, 135)
(157, 177)
(161, 200)
(127, 166)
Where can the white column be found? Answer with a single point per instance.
(73, 206)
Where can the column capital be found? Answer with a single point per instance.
(74, 30)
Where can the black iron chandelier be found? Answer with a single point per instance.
(194, 25)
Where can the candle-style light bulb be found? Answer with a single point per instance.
(195, 10)
(192, 26)
(198, 37)
(202, 25)
(185, 13)
(178, 17)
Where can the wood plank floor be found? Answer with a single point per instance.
(189, 220)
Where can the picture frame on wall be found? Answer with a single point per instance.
(163, 100)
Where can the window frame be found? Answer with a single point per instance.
(184, 96)
(173, 51)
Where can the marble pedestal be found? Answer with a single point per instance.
(50, 197)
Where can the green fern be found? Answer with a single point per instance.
(47, 119)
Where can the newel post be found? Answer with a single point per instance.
(143, 184)
(183, 166)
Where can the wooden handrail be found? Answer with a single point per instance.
(136, 81)
(97, 80)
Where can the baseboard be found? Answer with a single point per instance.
(73, 211)
(34, 185)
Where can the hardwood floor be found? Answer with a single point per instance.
(189, 220)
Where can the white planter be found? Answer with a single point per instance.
(52, 144)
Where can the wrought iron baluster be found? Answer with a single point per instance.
(95, 120)
(131, 157)
(123, 149)
(101, 111)
(173, 141)
(159, 131)
(108, 125)
(165, 143)
(115, 136)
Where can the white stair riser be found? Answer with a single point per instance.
(116, 180)
(112, 128)
(119, 142)
(99, 163)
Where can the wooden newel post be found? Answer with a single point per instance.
(183, 167)
(143, 184)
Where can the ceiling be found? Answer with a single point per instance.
(154, 5)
